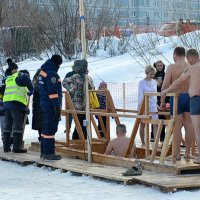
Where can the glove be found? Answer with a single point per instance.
(27, 111)
(29, 93)
(57, 114)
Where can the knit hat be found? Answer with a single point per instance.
(102, 84)
(11, 64)
(80, 66)
(57, 59)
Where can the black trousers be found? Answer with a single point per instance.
(99, 125)
(14, 120)
(162, 135)
(75, 135)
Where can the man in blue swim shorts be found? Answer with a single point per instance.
(191, 73)
(183, 117)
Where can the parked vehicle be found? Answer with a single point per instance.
(173, 28)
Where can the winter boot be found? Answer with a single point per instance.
(6, 141)
(17, 139)
(51, 157)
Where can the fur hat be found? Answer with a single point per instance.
(11, 64)
(102, 84)
(57, 59)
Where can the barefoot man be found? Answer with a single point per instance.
(192, 73)
(119, 145)
(173, 72)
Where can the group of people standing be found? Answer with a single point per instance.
(47, 90)
(181, 77)
(152, 83)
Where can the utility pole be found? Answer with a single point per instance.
(84, 56)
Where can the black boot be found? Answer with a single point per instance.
(17, 140)
(51, 157)
(6, 141)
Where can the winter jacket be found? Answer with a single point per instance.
(160, 74)
(37, 118)
(102, 101)
(22, 80)
(75, 86)
(50, 89)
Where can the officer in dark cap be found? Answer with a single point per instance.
(50, 101)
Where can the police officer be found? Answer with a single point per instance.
(18, 86)
(50, 101)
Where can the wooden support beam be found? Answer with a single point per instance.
(146, 111)
(112, 108)
(135, 129)
(174, 141)
(95, 126)
(75, 117)
(166, 141)
(156, 140)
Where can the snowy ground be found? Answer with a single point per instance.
(29, 183)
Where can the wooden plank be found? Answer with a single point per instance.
(159, 94)
(112, 108)
(95, 126)
(67, 123)
(135, 129)
(156, 140)
(166, 182)
(75, 117)
(166, 141)
(155, 121)
(146, 111)
(174, 141)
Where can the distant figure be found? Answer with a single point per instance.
(192, 73)
(183, 118)
(179, 28)
(188, 26)
(148, 84)
(37, 117)
(102, 105)
(75, 86)
(68, 75)
(119, 145)
(159, 77)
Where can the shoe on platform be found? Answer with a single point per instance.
(21, 150)
(51, 157)
(6, 150)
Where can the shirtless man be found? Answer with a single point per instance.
(119, 145)
(193, 73)
(173, 72)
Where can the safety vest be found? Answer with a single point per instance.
(13, 92)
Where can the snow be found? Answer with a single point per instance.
(30, 182)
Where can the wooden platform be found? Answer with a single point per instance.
(165, 182)
(180, 167)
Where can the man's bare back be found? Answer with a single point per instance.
(119, 146)
(194, 81)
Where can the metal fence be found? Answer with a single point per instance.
(125, 95)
